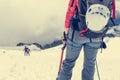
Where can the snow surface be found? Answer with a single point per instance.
(43, 65)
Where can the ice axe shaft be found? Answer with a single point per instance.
(61, 58)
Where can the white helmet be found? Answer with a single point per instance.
(97, 16)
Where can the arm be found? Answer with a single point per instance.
(69, 14)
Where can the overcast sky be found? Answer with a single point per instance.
(31, 20)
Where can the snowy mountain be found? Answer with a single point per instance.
(43, 65)
(39, 46)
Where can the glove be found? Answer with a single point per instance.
(103, 45)
(64, 38)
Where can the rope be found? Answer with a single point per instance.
(97, 70)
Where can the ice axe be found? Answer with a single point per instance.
(61, 57)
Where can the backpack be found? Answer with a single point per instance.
(79, 21)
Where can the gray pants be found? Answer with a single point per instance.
(72, 53)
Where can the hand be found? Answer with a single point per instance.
(64, 38)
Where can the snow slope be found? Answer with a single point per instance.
(43, 65)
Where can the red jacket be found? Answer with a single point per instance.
(71, 12)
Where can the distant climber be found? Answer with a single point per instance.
(26, 51)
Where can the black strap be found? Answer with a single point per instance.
(101, 0)
(83, 6)
(72, 35)
(72, 3)
(112, 21)
(76, 9)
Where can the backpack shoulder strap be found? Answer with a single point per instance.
(113, 22)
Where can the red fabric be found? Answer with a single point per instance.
(114, 8)
(81, 32)
(70, 12)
